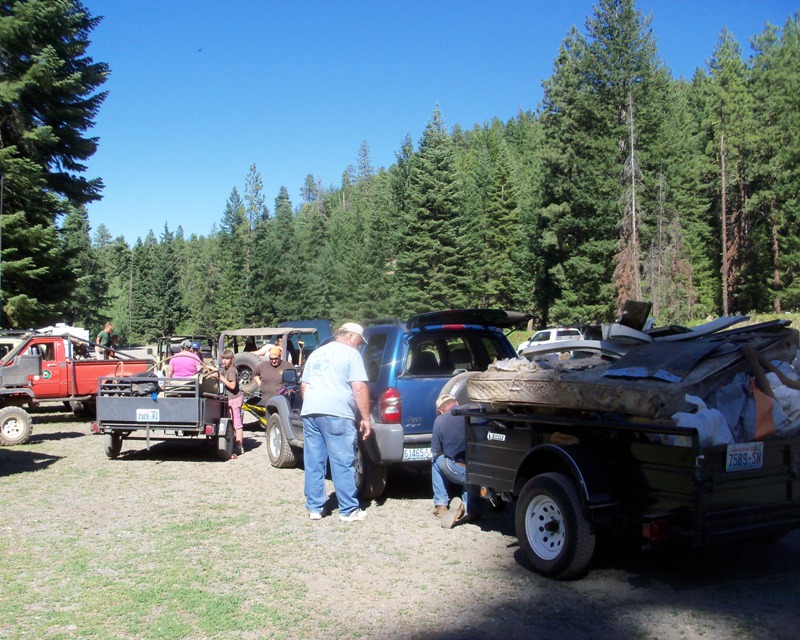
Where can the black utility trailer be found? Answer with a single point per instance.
(576, 477)
(154, 408)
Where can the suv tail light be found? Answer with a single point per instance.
(391, 409)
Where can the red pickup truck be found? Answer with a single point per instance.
(46, 368)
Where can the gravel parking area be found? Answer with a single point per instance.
(84, 537)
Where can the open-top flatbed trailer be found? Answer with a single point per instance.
(148, 408)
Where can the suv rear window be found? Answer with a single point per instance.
(568, 334)
(373, 355)
(431, 354)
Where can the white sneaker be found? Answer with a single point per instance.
(315, 515)
(354, 516)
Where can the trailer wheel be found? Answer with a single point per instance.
(225, 443)
(113, 444)
(246, 364)
(552, 529)
(15, 426)
(370, 476)
(278, 449)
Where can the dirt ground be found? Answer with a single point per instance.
(397, 574)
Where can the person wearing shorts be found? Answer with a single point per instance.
(230, 378)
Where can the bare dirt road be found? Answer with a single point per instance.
(84, 537)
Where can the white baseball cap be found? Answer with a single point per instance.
(354, 327)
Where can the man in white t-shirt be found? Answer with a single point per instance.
(334, 386)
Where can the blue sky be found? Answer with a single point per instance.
(201, 90)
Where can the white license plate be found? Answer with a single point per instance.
(147, 415)
(748, 455)
(417, 453)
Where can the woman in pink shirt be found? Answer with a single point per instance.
(184, 364)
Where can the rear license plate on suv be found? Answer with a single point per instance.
(416, 453)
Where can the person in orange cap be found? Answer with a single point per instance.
(269, 374)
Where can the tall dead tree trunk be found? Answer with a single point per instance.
(627, 273)
(725, 268)
(776, 255)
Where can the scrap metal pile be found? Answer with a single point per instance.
(735, 384)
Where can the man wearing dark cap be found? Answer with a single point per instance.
(448, 447)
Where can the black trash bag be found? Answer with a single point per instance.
(146, 388)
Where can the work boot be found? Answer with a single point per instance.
(454, 513)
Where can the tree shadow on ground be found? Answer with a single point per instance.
(39, 438)
(749, 585)
(745, 589)
(16, 461)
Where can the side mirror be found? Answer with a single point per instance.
(290, 375)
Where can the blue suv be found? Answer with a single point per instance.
(408, 364)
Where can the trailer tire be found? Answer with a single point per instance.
(552, 529)
(113, 444)
(225, 443)
(279, 450)
(246, 364)
(15, 426)
(370, 476)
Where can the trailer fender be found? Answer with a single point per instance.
(280, 405)
(575, 461)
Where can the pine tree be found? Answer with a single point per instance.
(114, 260)
(277, 277)
(48, 99)
(167, 278)
(201, 285)
(429, 269)
(256, 212)
(493, 244)
(729, 117)
(775, 201)
(146, 299)
(586, 118)
(89, 297)
(232, 259)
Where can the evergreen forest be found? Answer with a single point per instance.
(624, 183)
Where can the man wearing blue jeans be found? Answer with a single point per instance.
(334, 386)
(448, 447)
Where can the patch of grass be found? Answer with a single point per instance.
(171, 586)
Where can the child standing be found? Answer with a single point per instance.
(230, 378)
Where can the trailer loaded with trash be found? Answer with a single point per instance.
(669, 435)
(151, 408)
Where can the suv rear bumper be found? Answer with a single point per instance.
(388, 442)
